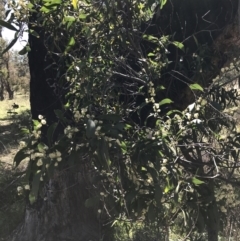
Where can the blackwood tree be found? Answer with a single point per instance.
(112, 140)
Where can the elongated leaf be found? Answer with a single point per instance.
(196, 87)
(34, 33)
(197, 181)
(151, 55)
(69, 19)
(10, 45)
(71, 43)
(82, 16)
(162, 3)
(21, 155)
(165, 101)
(7, 25)
(179, 45)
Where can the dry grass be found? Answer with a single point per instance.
(19, 99)
(11, 124)
(11, 205)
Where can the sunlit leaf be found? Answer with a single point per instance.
(82, 16)
(179, 45)
(197, 181)
(151, 55)
(196, 87)
(165, 101)
(162, 3)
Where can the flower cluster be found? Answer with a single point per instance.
(69, 131)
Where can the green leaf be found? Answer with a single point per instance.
(36, 123)
(151, 55)
(69, 19)
(196, 181)
(30, 5)
(45, 10)
(7, 25)
(82, 16)
(178, 45)
(165, 101)
(51, 3)
(25, 131)
(196, 87)
(40, 147)
(162, 3)
(71, 43)
(34, 33)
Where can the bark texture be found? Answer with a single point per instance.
(61, 214)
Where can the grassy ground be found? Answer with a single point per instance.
(11, 122)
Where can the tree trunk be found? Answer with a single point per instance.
(212, 215)
(213, 222)
(1, 90)
(61, 213)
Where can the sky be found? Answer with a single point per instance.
(9, 35)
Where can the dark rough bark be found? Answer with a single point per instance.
(212, 216)
(1, 90)
(63, 215)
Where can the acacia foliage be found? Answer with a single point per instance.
(154, 162)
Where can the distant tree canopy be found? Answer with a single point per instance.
(110, 85)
